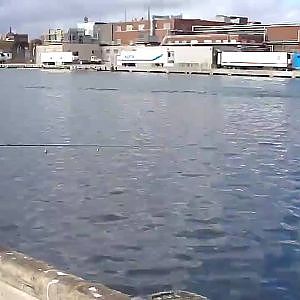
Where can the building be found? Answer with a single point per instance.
(84, 53)
(87, 26)
(17, 45)
(154, 29)
(285, 37)
(103, 32)
(32, 48)
(213, 39)
(77, 36)
(53, 36)
(232, 19)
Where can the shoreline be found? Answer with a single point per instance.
(161, 70)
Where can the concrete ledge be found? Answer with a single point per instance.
(22, 277)
(164, 70)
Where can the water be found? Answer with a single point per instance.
(203, 195)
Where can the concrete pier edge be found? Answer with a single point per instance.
(25, 278)
(164, 70)
(22, 277)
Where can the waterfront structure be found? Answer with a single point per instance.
(270, 37)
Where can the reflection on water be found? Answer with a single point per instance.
(203, 193)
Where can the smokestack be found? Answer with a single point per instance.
(151, 27)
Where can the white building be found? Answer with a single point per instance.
(80, 52)
(87, 26)
(57, 58)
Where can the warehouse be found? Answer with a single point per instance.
(81, 52)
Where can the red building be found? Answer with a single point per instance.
(284, 37)
(154, 31)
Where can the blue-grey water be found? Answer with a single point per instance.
(200, 191)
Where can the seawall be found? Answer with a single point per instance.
(22, 277)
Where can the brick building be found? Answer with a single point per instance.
(284, 37)
(154, 31)
(211, 38)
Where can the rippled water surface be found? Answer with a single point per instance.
(200, 189)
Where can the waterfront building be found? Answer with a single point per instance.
(81, 52)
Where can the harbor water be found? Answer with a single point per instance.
(152, 182)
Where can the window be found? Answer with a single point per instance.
(167, 26)
(234, 41)
(194, 41)
(129, 27)
(218, 41)
(119, 41)
(75, 53)
(141, 27)
(107, 50)
(93, 52)
(116, 51)
(119, 28)
(207, 41)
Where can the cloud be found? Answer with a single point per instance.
(36, 16)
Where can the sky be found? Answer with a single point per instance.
(37, 16)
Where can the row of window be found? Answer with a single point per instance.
(141, 27)
(205, 41)
(115, 51)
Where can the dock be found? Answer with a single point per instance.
(163, 70)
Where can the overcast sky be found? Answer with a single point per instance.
(36, 16)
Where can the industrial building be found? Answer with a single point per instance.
(285, 37)
(154, 29)
(81, 53)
